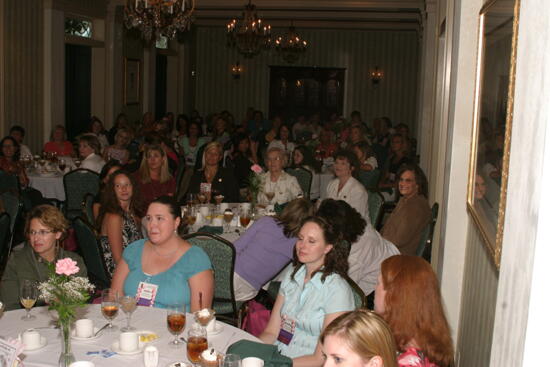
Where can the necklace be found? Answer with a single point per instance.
(163, 255)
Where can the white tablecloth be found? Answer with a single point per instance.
(51, 187)
(324, 180)
(144, 318)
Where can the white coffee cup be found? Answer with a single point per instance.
(128, 341)
(224, 206)
(82, 364)
(205, 211)
(84, 328)
(252, 362)
(151, 356)
(31, 338)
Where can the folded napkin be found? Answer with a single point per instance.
(267, 352)
(211, 229)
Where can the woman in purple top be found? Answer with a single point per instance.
(266, 247)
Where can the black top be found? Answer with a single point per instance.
(224, 182)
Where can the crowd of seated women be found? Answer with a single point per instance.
(313, 245)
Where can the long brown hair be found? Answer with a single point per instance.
(110, 203)
(413, 308)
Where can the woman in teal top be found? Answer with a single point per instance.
(312, 294)
(165, 269)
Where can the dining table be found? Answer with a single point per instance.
(99, 350)
(49, 184)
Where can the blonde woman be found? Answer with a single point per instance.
(153, 177)
(358, 339)
(45, 228)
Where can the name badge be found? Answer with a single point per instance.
(288, 326)
(206, 187)
(146, 294)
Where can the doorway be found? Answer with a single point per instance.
(78, 89)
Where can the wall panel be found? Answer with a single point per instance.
(357, 51)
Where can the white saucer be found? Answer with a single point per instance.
(43, 342)
(116, 348)
(147, 332)
(218, 328)
(73, 335)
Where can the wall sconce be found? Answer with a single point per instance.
(376, 75)
(236, 70)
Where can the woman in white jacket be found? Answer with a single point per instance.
(278, 186)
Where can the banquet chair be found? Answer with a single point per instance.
(8, 182)
(424, 248)
(375, 203)
(5, 240)
(222, 256)
(358, 294)
(180, 172)
(304, 178)
(12, 205)
(88, 207)
(77, 184)
(92, 254)
(369, 179)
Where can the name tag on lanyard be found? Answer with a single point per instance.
(146, 294)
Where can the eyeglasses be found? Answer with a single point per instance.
(40, 233)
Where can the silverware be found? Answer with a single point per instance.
(47, 327)
(182, 338)
(103, 327)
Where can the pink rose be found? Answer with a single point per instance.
(256, 168)
(66, 266)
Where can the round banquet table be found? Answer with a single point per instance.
(144, 318)
(50, 187)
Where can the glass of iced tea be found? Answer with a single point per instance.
(109, 306)
(175, 319)
(245, 217)
(196, 343)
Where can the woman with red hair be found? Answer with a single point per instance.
(407, 297)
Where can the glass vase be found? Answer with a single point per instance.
(66, 357)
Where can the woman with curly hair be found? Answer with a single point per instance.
(118, 222)
(312, 294)
(45, 228)
(407, 297)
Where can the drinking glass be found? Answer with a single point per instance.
(196, 343)
(62, 164)
(175, 318)
(191, 216)
(232, 360)
(227, 218)
(245, 217)
(77, 163)
(128, 305)
(109, 306)
(191, 199)
(28, 294)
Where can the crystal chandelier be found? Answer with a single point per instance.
(250, 37)
(158, 17)
(290, 46)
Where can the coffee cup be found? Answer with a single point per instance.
(205, 211)
(82, 364)
(128, 341)
(31, 339)
(84, 328)
(224, 206)
(252, 362)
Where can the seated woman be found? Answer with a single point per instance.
(358, 338)
(312, 294)
(397, 158)
(407, 297)
(327, 147)
(90, 152)
(45, 228)
(267, 247)
(283, 141)
(368, 247)
(118, 222)
(303, 158)
(412, 214)
(58, 142)
(165, 269)
(96, 128)
(243, 158)
(190, 145)
(213, 179)
(276, 182)
(119, 150)
(345, 186)
(108, 169)
(9, 160)
(365, 155)
(153, 177)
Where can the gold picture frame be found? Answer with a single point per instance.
(492, 122)
(132, 85)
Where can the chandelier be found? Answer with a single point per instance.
(250, 37)
(155, 18)
(290, 46)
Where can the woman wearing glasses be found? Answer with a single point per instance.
(45, 228)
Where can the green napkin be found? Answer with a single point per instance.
(211, 229)
(267, 352)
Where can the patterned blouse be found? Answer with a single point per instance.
(413, 357)
(130, 233)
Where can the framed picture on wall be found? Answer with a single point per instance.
(131, 81)
(492, 125)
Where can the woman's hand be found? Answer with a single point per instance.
(269, 335)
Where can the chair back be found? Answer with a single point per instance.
(425, 244)
(358, 294)
(304, 178)
(180, 172)
(91, 252)
(375, 202)
(5, 240)
(12, 206)
(77, 184)
(8, 182)
(222, 256)
(88, 208)
(369, 179)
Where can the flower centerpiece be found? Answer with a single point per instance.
(64, 293)
(255, 183)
